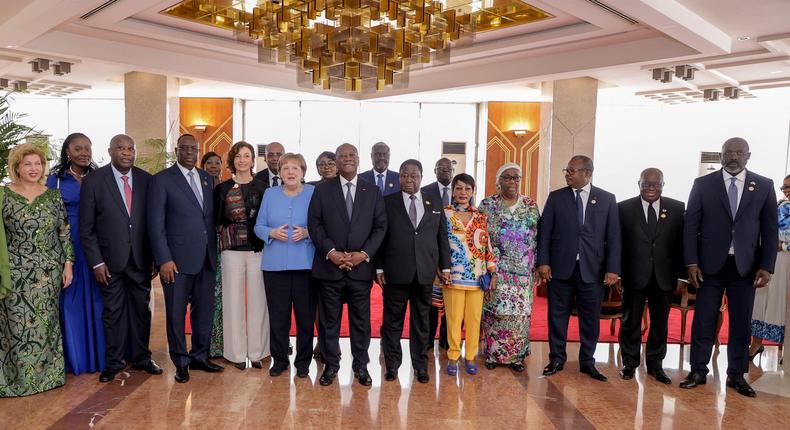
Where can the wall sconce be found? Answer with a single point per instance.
(520, 133)
(200, 127)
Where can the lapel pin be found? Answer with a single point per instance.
(392, 185)
(205, 184)
(752, 185)
(751, 188)
(593, 201)
(663, 215)
(427, 203)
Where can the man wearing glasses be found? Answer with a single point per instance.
(578, 249)
(730, 237)
(652, 229)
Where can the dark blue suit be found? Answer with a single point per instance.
(391, 182)
(708, 233)
(597, 243)
(182, 232)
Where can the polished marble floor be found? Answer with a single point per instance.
(494, 399)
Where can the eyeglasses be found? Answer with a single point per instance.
(649, 185)
(325, 164)
(572, 171)
(735, 153)
(784, 187)
(510, 178)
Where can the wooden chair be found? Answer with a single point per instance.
(611, 307)
(684, 300)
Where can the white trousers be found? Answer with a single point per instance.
(245, 319)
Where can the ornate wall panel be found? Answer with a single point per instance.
(505, 146)
(216, 114)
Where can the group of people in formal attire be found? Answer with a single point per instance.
(238, 258)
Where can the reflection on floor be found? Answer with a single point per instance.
(496, 399)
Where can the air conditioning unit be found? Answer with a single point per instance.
(709, 162)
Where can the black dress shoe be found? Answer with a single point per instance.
(552, 368)
(692, 380)
(277, 370)
(422, 376)
(241, 366)
(659, 374)
(391, 375)
(741, 386)
(627, 372)
(593, 372)
(363, 376)
(149, 367)
(182, 374)
(206, 366)
(108, 375)
(517, 367)
(327, 377)
(302, 373)
(257, 364)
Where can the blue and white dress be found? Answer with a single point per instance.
(768, 316)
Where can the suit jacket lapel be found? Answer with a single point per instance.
(359, 194)
(115, 192)
(340, 196)
(662, 215)
(428, 206)
(182, 182)
(639, 212)
(748, 195)
(208, 192)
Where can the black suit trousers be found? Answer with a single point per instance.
(332, 296)
(740, 301)
(396, 297)
(286, 290)
(126, 317)
(198, 292)
(563, 293)
(658, 301)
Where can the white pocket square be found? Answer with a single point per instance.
(436, 212)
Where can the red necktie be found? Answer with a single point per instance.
(127, 191)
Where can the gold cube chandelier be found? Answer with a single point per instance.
(355, 45)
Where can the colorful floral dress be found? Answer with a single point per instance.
(470, 253)
(507, 309)
(770, 303)
(31, 349)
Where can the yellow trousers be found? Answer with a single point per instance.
(463, 308)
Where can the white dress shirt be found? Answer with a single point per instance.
(344, 188)
(656, 207)
(196, 175)
(585, 195)
(417, 204)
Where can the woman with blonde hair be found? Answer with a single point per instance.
(40, 257)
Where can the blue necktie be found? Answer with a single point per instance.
(380, 182)
(580, 207)
(195, 189)
(732, 193)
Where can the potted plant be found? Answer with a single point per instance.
(11, 132)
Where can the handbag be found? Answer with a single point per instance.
(485, 281)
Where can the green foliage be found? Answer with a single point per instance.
(158, 160)
(11, 132)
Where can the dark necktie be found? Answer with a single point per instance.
(652, 220)
(445, 197)
(275, 181)
(413, 210)
(732, 193)
(349, 200)
(380, 182)
(580, 207)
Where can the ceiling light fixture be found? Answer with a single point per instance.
(744, 38)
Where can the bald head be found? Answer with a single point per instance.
(347, 160)
(380, 156)
(122, 152)
(734, 155)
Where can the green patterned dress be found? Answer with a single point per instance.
(31, 352)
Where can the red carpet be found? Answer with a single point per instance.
(539, 329)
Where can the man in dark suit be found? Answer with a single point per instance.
(183, 239)
(444, 170)
(730, 238)
(652, 262)
(414, 248)
(343, 259)
(578, 249)
(386, 180)
(271, 175)
(114, 236)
